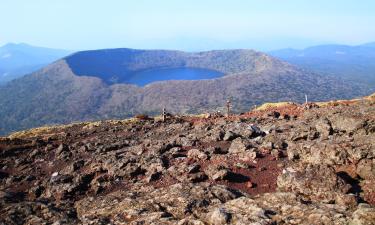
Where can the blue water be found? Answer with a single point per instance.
(143, 78)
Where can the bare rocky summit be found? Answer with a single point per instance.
(291, 164)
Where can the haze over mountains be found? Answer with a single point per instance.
(17, 60)
(354, 63)
(81, 86)
(371, 44)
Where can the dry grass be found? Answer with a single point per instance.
(94, 124)
(37, 131)
(346, 102)
(34, 132)
(371, 97)
(203, 115)
(270, 105)
(338, 102)
(3, 139)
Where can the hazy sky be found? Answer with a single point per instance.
(186, 24)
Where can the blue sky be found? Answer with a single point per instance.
(186, 24)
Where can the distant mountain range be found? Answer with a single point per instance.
(355, 63)
(79, 87)
(371, 44)
(17, 60)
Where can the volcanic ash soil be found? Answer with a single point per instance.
(285, 165)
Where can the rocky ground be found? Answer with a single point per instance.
(290, 164)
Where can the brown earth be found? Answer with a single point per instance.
(288, 164)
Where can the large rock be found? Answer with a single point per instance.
(239, 211)
(279, 208)
(147, 205)
(318, 153)
(219, 216)
(315, 182)
(37, 213)
(229, 135)
(197, 154)
(324, 127)
(366, 169)
(347, 124)
(217, 172)
(239, 145)
(289, 208)
(364, 215)
(254, 131)
(62, 148)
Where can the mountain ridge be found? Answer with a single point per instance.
(67, 97)
(370, 44)
(17, 60)
(353, 63)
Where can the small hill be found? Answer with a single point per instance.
(76, 88)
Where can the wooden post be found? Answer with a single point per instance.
(164, 114)
(228, 107)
